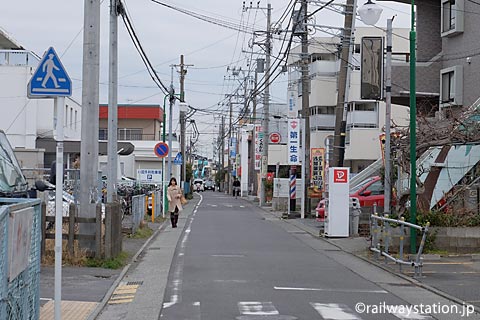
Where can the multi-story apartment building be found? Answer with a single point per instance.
(365, 118)
(448, 61)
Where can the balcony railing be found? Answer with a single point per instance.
(130, 137)
(18, 58)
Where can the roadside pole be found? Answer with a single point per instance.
(59, 106)
(50, 80)
(304, 167)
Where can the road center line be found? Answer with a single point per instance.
(228, 255)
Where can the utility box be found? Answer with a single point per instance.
(337, 207)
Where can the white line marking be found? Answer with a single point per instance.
(334, 311)
(196, 304)
(228, 255)
(242, 206)
(331, 290)
(401, 312)
(257, 308)
(231, 280)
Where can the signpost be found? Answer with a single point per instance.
(149, 176)
(275, 137)
(161, 149)
(50, 80)
(178, 159)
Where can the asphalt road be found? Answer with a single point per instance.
(234, 262)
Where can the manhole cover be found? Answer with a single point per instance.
(154, 248)
(132, 283)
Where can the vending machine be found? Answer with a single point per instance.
(337, 204)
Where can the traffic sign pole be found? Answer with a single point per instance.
(59, 106)
(51, 80)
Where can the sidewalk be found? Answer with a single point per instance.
(130, 297)
(160, 248)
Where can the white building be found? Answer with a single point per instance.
(29, 123)
(365, 118)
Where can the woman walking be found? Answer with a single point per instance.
(174, 194)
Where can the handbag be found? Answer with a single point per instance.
(183, 201)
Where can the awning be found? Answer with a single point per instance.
(50, 146)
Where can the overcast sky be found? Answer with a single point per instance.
(165, 34)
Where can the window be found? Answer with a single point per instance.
(103, 134)
(71, 118)
(130, 134)
(76, 119)
(66, 116)
(448, 15)
(451, 86)
(452, 17)
(376, 188)
(448, 87)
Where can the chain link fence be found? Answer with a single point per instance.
(20, 238)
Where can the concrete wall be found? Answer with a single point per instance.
(452, 240)
(460, 240)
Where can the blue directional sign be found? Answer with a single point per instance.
(178, 159)
(50, 79)
(161, 149)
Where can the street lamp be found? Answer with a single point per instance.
(369, 11)
(370, 14)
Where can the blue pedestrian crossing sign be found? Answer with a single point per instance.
(178, 159)
(50, 79)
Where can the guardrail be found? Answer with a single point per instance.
(381, 231)
(19, 258)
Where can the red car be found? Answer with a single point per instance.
(369, 192)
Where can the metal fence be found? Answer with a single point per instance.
(138, 211)
(382, 239)
(20, 258)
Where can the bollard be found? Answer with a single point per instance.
(386, 236)
(402, 231)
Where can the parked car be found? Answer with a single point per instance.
(320, 209)
(209, 185)
(369, 192)
(198, 185)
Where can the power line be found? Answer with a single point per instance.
(141, 51)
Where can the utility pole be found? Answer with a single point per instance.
(115, 8)
(266, 108)
(388, 110)
(222, 151)
(170, 121)
(342, 97)
(183, 72)
(252, 171)
(90, 122)
(305, 107)
(229, 187)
